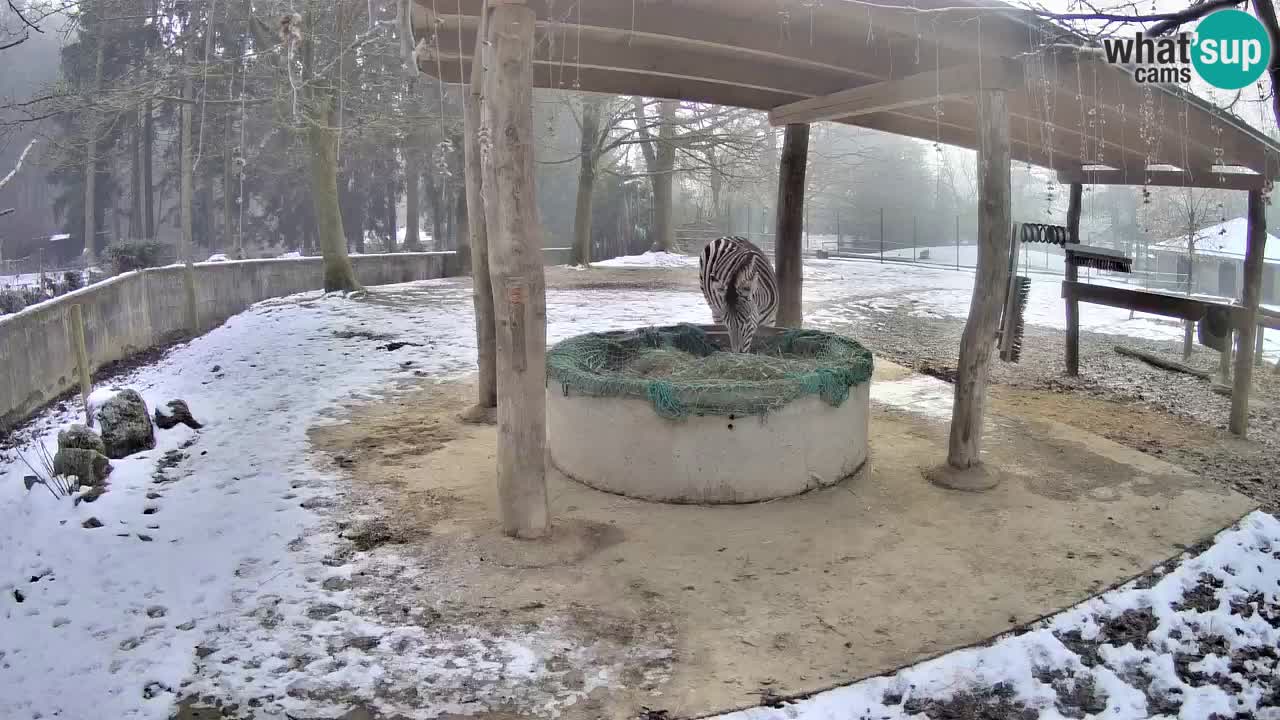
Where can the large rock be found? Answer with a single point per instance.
(126, 425)
(89, 466)
(81, 437)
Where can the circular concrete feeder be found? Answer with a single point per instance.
(621, 445)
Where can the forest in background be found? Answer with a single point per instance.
(294, 133)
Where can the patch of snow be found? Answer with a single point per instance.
(921, 394)
(99, 397)
(217, 257)
(651, 259)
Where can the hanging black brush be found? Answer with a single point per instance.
(1099, 258)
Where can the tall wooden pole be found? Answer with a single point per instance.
(75, 321)
(978, 339)
(1239, 424)
(481, 288)
(1073, 274)
(788, 262)
(515, 269)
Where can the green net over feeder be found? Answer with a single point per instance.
(685, 370)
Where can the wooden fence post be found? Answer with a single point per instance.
(515, 269)
(1239, 424)
(75, 321)
(1071, 274)
(788, 262)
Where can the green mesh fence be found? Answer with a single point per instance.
(683, 370)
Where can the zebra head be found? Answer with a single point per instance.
(741, 315)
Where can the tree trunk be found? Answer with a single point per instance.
(788, 261)
(434, 193)
(976, 343)
(91, 163)
(148, 190)
(393, 229)
(412, 195)
(659, 158)
(322, 144)
(517, 274)
(1253, 259)
(137, 227)
(211, 241)
(591, 108)
(481, 286)
(229, 239)
(187, 188)
(664, 180)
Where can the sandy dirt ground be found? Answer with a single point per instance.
(696, 609)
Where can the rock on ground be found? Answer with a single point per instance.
(178, 413)
(82, 454)
(81, 437)
(89, 466)
(126, 425)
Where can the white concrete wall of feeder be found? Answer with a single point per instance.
(621, 445)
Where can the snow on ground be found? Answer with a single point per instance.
(229, 537)
(1199, 643)
(651, 259)
(215, 545)
(853, 286)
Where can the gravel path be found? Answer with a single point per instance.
(1202, 445)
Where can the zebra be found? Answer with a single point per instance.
(739, 285)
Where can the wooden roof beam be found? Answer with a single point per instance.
(1204, 178)
(919, 89)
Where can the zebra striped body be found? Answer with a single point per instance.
(739, 285)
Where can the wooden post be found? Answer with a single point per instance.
(1072, 273)
(1224, 359)
(1239, 424)
(481, 287)
(75, 320)
(788, 263)
(1258, 344)
(515, 270)
(881, 235)
(913, 238)
(964, 448)
(957, 242)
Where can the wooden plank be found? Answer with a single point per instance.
(919, 89)
(788, 263)
(1165, 178)
(1175, 306)
(1155, 303)
(1253, 255)
(515, 269)
(976, 343)
(1074, 204)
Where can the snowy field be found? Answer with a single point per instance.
(214, 549)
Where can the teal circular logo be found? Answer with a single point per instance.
(1231, 49)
